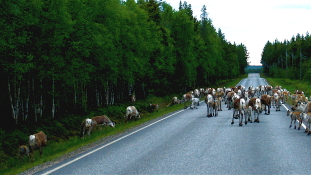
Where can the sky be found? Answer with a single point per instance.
(254, 23)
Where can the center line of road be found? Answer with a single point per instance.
(304, 126)
(78, 158)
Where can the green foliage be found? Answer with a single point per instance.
(253, 69)
(288, 59)
(62, 59)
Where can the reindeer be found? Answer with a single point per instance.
(239, 105)
(23, 150)
(294, 116)
(131, 112)
(103, 120)
(86, 127)
(37, 142)
(266, 100)
(153, 107)
(209, 102)
(255, 104)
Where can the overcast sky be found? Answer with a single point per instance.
(253, 23)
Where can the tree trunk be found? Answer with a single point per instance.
(111, 95)
(107, 93)
(75, 93)
(97, 96)
(15, 100)
(25, 115)
(53, 98)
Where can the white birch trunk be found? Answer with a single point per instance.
(15, 101)
(53, 99)
(97, 96)
(26, 109)
(25, 116)
(107, 93)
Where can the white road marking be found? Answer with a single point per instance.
(303, 125)
(78, 158)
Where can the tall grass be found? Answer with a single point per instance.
(58, 148)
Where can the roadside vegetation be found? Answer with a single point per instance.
(290, 85)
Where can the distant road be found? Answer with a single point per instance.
(188, 142)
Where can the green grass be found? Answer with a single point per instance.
(290, 85)
(54, 150)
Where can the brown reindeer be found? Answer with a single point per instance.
(103, 120)
(37, 142)
(23, 150)
(239, 106)
(294, 116)
(187, 98)
(154, 107)
(255, 104)
(219, 97)
(266, 100)
(229, 99)
(215, 107)
(132, 99)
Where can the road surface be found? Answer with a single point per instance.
(188, 142)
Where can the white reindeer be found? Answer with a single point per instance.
(307, 118)
(209, 102)
(131, 112)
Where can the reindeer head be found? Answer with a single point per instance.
(32, 140)
(257, 104)
(112, 124)
(88, 123)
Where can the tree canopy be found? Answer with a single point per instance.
(67, 56)
(288, 58)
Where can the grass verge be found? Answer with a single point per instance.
(290, 85)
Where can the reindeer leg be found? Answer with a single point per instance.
(295, 123)
(241, 119)
(233, 118)
(207, 110)
(308, 128)
(299, 124)
(245, 118)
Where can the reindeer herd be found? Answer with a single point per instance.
(244, 102)
(247, 105)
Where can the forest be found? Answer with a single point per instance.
(288, 59)
(65, 58)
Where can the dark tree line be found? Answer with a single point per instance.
(288, 59)
(64, 56)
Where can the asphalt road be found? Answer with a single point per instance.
(188, 142)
